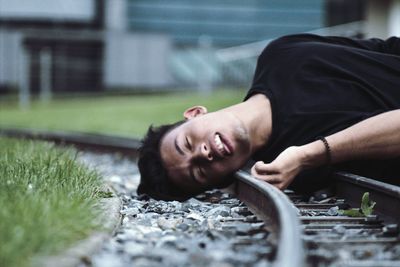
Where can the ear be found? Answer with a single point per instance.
(195, 111)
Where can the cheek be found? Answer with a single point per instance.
(223, 167)
(230, 165)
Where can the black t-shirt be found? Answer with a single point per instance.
(318, 86)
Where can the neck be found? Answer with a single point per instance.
(255, 113)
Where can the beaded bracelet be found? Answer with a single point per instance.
(328, 150)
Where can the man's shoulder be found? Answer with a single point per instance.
(283, 49)
(292, 40)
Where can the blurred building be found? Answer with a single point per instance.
(88, 45)
(383, 18)
(56, 40)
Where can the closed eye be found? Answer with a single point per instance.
(191, 172)
(201, 173)
(188, 145)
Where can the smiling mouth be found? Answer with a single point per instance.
(222, 145)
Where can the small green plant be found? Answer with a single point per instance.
(367, 208)
(105, 194)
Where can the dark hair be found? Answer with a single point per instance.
(154, 180)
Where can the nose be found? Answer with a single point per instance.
(203, 153)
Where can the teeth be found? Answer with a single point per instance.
(219, 143)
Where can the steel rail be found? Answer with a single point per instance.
(275, 208)
(263, 199)
(127, 146)
(349, 237)
(266, 201)
(387, 196)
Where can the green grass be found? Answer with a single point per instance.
(119, 115)
(47, 200)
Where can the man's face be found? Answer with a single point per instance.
(205, 149)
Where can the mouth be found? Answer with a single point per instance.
(222, 145)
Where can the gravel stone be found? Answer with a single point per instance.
(195, 216)
(165, 224)
(130, 211)
(334, 211)
(362, 243)
(339, 229)
(222, 211)
(212, 229)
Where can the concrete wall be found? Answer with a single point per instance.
(10, 55)
(227, 23)
(132, 59)
(394, 19)
(136, 60)
(383, 18)
(81, 10)
(115, 15)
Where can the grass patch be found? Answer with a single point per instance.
(118, 115)
(47, 200)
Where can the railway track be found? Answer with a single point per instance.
(306, 232)
(332, 239)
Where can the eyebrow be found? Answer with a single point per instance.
(180, 151)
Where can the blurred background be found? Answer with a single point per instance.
(55, 50)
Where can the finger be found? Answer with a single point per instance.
(265, 176)
(258, 170)
(280, 186)
(263, 168)
(258, 165)
(272, 179)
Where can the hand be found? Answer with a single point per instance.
(282, 170)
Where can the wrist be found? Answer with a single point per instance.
(313, 154)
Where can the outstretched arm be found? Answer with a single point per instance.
(375, 137)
